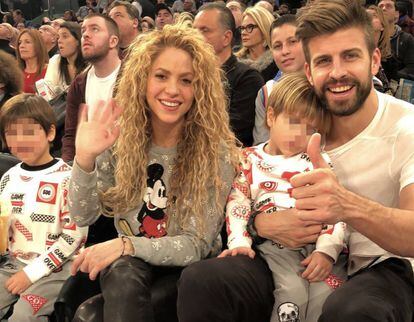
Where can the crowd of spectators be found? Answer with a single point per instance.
(89, 56)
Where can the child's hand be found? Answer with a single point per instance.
(18, 283)
(238, 251)
(318, 266)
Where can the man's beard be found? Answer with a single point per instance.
(97, 55)
(346, 107)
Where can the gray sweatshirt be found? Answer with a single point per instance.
(145, 225)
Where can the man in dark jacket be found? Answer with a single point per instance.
(216, 23)
(401, 65)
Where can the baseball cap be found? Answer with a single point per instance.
(161, 6)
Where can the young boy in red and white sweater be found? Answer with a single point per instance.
(42, 236)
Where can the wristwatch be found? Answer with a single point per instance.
(251, 229)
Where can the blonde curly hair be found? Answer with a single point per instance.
(205, 134)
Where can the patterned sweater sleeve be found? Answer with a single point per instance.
(70, 240)
(332, 240)
(84, 204)
(189, 246)
(239, 208)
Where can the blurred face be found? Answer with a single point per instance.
(388, 6)
(207, 22)
(4, 32)
(341, 70)
(163, 18)
(376, 22)
(170, 92)
(67, 15)
(283, 9)
(236, 10)
(255, 37)
(145, 26)
(188, 5)
(68, 45)
(20, 26)
(287, 50)
(28, 141)
(49, 38)
(26, 47)
(126, 24)
(289, 135)
(95, 39)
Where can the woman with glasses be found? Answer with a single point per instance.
(255, 38)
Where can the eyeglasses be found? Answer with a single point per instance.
(249, 28)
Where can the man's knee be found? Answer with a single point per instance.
(361, 308)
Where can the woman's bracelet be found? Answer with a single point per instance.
(123, 239)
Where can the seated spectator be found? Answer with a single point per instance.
(6, 34)
(164, 16)
(216, 24)
(36, 266)
(174, 129)
(69, 15)
(95, 83)
(145, 7)
(64, 67)
(49, 37)
(404, 20)
(18, 18)
(255, 50)
(237, 8)
(11, 77)
(20, 26)
(382, 32)
(147, 24)
(189, 6)
(32, 58)
(267, 5)
(8, 18)
(126, 17)
(84, 10)
(283, 9)
(289, 57)
(402, 46)
(56, 23)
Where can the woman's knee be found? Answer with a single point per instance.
(91, 310)
(127, 276)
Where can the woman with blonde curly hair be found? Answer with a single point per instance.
(256, 43)
(162, 166)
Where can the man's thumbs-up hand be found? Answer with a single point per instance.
(314, 152)
(319, 196)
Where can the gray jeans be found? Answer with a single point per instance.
(297, 300)
(36, 303)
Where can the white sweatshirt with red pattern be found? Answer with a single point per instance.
(262, 184)
(41, 233)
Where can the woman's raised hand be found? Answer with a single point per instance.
(97, 131)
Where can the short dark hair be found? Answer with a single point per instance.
(325, 17)
(132, 11)
(110, 23)
(26, 106)
(287, 19)
(226, 17)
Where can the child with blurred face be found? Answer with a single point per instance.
(303, 277)
(41, 235)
